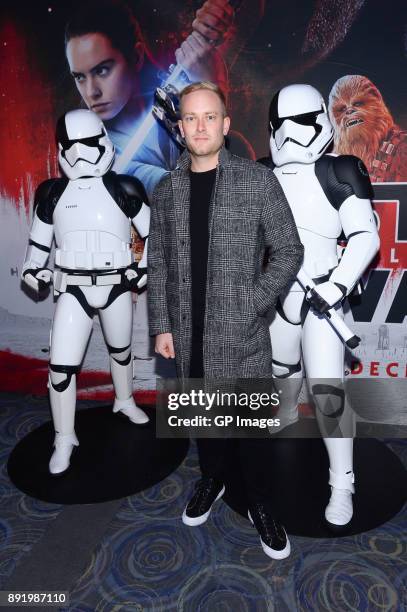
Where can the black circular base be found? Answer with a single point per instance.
(298, 471)
(115, 459)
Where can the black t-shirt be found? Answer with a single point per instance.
(202, 184)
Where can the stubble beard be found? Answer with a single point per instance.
(206, 149)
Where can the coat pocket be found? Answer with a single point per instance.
(262, 303)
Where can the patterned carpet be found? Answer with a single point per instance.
(148, 560)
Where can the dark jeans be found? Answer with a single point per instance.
(217, 455)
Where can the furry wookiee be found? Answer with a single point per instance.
(364, 127)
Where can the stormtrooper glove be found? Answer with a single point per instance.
(326, 295)
(136, 276)
(38, 279)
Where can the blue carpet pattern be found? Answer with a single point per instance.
(149, 561)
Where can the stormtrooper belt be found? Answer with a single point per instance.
(99, 279)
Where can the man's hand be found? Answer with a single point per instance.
(164, 345)
(136, 276)
(38, 279)
(325, 296)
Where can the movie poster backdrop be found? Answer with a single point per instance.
(353, 51)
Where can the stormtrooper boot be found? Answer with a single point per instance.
(130, 409)
(62, 391)
(60, 459)
(122, 375)
(339, 510)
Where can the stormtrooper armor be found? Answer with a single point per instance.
(89, 213)
(329, 196)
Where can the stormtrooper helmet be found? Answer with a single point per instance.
(300, 126)
(84, 146)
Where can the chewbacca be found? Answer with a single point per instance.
(364, 127)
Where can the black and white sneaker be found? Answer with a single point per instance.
(273, 537)
(207, 491)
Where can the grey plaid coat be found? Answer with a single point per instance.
(248, 212)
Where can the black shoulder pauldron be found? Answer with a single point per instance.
(127, 191)
(341, 177)
(47, 196)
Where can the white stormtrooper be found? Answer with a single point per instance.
(328, 195)
(89, 213)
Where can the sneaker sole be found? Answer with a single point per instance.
(194, 521)
(271, 552)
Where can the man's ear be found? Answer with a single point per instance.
(226, 125)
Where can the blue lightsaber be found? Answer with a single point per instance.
(176, 80)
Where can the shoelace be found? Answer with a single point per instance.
(273, 530)
(203, 489)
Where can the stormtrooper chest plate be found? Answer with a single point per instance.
(317, 221)
(311, 209)
(91, 231)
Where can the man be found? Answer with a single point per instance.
(212, 219)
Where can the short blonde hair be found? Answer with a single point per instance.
(206, 86)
